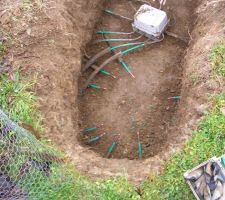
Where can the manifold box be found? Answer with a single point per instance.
(150, 21)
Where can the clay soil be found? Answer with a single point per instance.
(140, 104)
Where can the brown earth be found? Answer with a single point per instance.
(141, 104)
(49, 40)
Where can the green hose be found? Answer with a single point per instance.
(111, 149)
(113, 40)
(119, 39)
(127, 68)
(94, 139)
(139, 150)
(87, 130)
(94, 86)
(116, 56)
(113, 32)
(106, 32)
(177, 97)
(109, 40)
(105, 51)
(105, 72)
(109, 11)
(132, 49)
(117, 15)
(124, 45)
(124, 65)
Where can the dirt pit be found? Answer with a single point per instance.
(142, 104)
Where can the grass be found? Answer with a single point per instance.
(76, 187)
(17, 99)
(207, 141)
(217, 58)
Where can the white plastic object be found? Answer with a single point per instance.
(150, 21)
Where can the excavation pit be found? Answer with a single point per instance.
(170, 68)
(142, 104)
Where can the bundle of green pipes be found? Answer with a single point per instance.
(92, 129)
(116, 55)
(114, 143)
(111, 148)
(112, 49)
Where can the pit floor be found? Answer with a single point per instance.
(140, 104)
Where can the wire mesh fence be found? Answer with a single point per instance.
(29, 169)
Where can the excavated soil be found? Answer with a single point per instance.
(141, 104)
(51, 41)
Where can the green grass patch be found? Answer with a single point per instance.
(17, 99)
(207, 142)
(217, 58)
(65, 183)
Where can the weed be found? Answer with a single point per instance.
(2, 48)
(195, 79)
(217, 58)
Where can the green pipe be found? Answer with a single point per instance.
(127, 68)
(106, 32)
(87, 130)
(94, 139)
(175, 98)
(132, 49)
(124, 65)
(94, 86)
(105, 72)
(106, 62)
(117, 15)
(124, 45)
(119, 39)
(109, 11)
(113, 40)
(113, 32)
(111, 149)
(116, 56)
(105, 51)
(139, 150)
